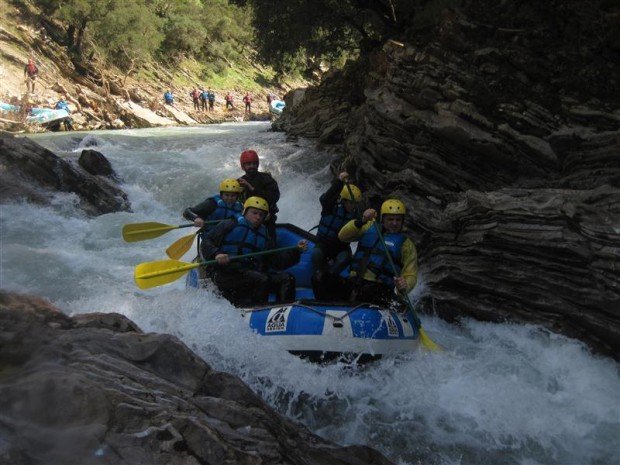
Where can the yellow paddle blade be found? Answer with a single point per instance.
(142, 231)
(180, 247)
(428, 343)
(153, 274)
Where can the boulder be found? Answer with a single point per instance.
(96, 163)
(96, 389)
(34, 173)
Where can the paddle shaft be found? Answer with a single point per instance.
(190, 266)
(404, 295)
(162, 228)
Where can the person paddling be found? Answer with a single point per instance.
(330, 256)
(260, 184)
(372, 278)
(247, 282)
(218, 207)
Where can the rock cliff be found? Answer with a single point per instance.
(499, 128)
(96, 389)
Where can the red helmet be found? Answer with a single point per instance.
(248, 156)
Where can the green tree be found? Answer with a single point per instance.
(326, 29)
(129, 34)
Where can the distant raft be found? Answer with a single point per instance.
(43, 116)
(321, 330)
(276, 107)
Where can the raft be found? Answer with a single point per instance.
(43, 116)
(321, 330)
(277, 106)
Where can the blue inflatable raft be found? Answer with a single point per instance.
(276, 107)
(321, 331)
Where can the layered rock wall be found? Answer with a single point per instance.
(499, 129)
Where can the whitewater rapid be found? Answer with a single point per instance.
(499, 394)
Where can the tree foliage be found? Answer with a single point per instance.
(326, 30)
(130, 32)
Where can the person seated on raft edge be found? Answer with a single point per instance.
(260, 184)
(218, 207)
(372, 277)
(247, 282)
(330, 255)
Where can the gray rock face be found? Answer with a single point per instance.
(95, 389)
(32, 172)
(507, 157)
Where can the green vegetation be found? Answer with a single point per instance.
(129, 33)
(302, 34)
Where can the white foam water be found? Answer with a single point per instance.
(499, 394)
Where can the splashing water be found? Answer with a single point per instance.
(499, 394)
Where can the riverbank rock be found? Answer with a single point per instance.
(96, 389)
(35, 174)
(507, 158)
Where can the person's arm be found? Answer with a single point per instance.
(409, 257)
(330, 197)
(202, 210)
(271, 189)
(210, 244)
(353, 230)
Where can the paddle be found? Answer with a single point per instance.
(153, 274)
(142, 231)
(180, 247)
(426, 341)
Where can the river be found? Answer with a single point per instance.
(499, 393)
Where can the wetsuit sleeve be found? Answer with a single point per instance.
(211, 241)
(330, 197)
(270, 189)
(409, 257)
(202, 210)
(353, 230)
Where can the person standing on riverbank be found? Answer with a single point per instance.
(204, 100)
(195, 94)
(229, 101)
(30, 74)
(247, 100)
(211, 100)
(169, 98)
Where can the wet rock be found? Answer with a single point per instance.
(508, 159)
(96, 389)
(96, 163)
(29, 171)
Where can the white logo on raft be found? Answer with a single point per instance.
(277, 318)
(391, 324)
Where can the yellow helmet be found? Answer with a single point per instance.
(256, 202)
(346, 194)
(231, 185)
(393, 207)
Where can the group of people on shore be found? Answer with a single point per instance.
(204, 100)
(246, 209)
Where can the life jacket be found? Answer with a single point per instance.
(370, 255)
(31, 69)
(223, 210)
(195, 94)
(62, 105)
(211, 96)
(168, 96)
(204, 95)
(244, 239)
(229, 98)
(247, 99)
(330, 224)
